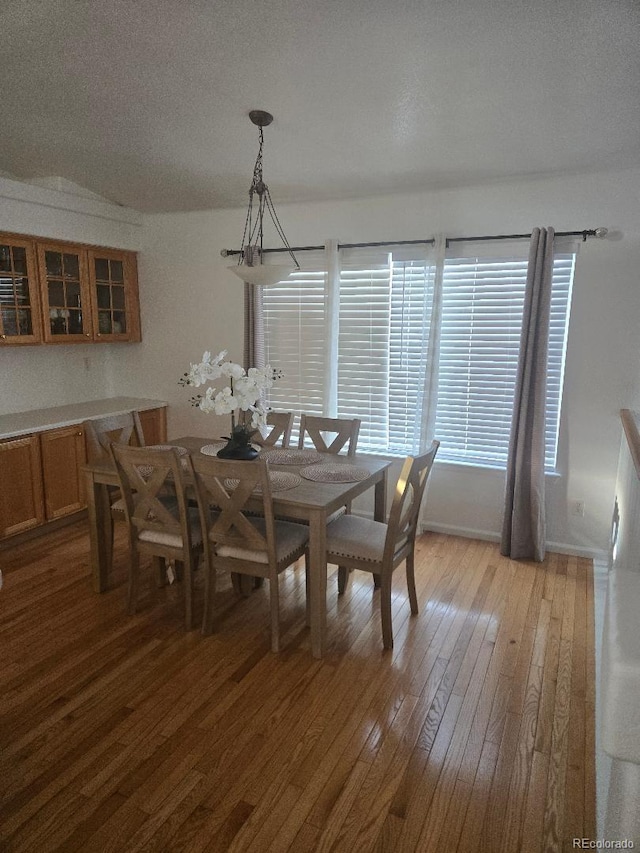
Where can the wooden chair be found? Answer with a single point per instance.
(281, 424)
(372, 546)
(344, 432)
(238, 542)
(161, 523)
(99, 434)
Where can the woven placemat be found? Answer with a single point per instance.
(290, 456)
(147, 470)
(278, 480)
(331, 473)
(212, 449)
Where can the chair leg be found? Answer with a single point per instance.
(343, 579)
(411, 583)
(306, 588)
(274, 596)
(187, 583)
(134, 573)
(160, 570)
(385, 610)
(209, 598)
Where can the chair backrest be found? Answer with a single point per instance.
(228, 485)
(281, 424)
(405, 509)
(342, 431)
(101, 432)
(147, 478)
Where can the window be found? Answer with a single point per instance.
(365, 341)
(296, 335)
(363, 360)
(384, 327)
(482, 305)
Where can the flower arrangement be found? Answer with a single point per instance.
(243, 393)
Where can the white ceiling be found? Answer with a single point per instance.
(145, 101)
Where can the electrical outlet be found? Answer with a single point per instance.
(578, 508)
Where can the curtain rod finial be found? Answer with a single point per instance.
(601, 233)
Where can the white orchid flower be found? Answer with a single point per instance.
(224, 402)
(232, 370)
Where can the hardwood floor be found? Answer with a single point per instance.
(128, 734)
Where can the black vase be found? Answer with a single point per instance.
(238, 450)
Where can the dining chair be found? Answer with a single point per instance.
(238, 542)
(373, 546)
(281, 424)
(99, 434)
(330, 435)
(161, 522)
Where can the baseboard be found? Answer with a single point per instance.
(596, 554)
(465, 532)
(42, 530)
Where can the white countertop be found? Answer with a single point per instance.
(39, 420)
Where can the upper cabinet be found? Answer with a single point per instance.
(20, 320)
(60, 292)
(113, 282)
(66, 299)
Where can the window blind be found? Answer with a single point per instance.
(385, 306)
(483, 301)
(295, 331)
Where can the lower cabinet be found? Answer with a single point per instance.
(154, 425)
(22, 492)
(41, 474)
(63, 454)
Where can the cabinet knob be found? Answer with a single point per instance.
(87, 335)
(99, 334)
(79, 433)
(3, 337)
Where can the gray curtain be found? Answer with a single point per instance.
(524, 527)
(253, 326)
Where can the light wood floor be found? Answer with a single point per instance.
(126, 733)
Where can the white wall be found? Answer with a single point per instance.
(38, 376)
(191, 303)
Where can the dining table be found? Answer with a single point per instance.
(309, 501)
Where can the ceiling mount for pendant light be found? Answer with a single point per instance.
(250, 267)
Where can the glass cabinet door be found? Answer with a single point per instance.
(20, 321)
(115, 300)
(65, 293)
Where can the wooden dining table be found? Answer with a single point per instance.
(310, 501)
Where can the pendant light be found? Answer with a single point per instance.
(250, 267)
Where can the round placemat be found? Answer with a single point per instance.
(278, 480)
(331, 473)
(147, 470)
(182, 451)
(212, 449)
(290, 456)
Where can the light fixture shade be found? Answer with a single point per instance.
(262, 274)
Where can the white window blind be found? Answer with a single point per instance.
(385, 307)
(295, 334)
(381, 334)
(483, 299)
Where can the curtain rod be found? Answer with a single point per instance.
(595, 232)
(226, 252)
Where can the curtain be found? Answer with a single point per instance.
(253, 326)
(524, 529)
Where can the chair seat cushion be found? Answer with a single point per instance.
(290, 538)
(174, 540)
(356, 537)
